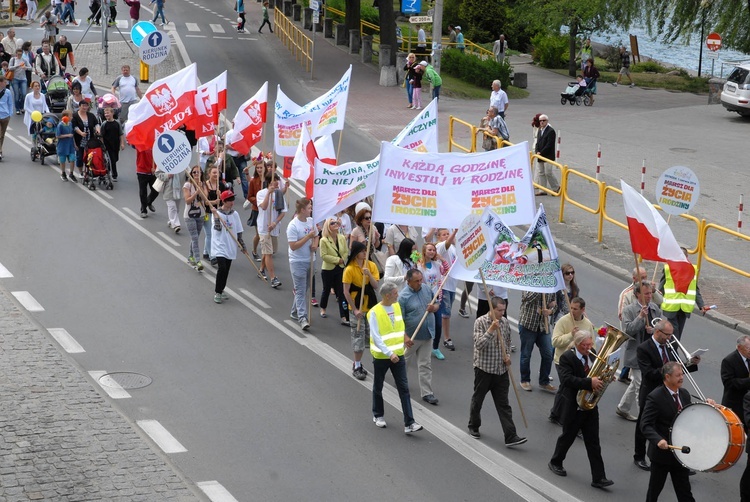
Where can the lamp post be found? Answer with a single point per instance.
(705, 4)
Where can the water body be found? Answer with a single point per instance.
(678, 53)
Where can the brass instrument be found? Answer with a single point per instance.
(588, 399)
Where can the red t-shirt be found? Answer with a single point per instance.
(144, 162)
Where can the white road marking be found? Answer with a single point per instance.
(132, 213)
(224, 38)
(108, 385)
(27, 301)
(245, 38)
(105, 195)
(295, 325)
(215, 492)
(66, 341)
(192, 27)
(217, 28)
(255, 298)
(169, 239)
(4, 272)
(161, 436)
(196, 36)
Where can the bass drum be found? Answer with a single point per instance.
(714, 434)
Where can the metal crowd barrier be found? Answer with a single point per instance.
(299, 44)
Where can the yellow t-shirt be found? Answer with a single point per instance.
(353, 275)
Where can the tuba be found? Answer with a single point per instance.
(588, 399)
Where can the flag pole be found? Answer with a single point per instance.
(503, 348)
(656, 268)
(367, 257)
(434, 297)
(637, 268)
(338, 150)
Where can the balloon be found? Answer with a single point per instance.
(36, 116)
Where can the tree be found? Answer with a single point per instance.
(673, 19)
(483, 20)
(388, 29)
(578, 16)
(353, 16)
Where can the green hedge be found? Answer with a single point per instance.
(550, 51)
(474, 70)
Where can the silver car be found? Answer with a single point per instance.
(736, 93)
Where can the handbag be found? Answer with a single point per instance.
(194, 212)
(158, 185)
(9, 75)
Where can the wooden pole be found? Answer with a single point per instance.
(637, 268)
(434, 297)
(503, 349)
(367, 257)
(338, 150)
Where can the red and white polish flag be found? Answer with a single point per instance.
(167, 104)
(303, 164)
(651, 237)
(210, 101)
(249, 120)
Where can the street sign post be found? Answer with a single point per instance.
(172, 152)
(154, 48)
(713, 41)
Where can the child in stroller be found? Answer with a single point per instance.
(574, 92)
(96, 164)
(57, 94)
(45, 139)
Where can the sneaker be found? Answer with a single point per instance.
(515, 441)
(379, 422)
(614, 83)
(191, 261)
(224, 296)
(294, 316)
(526, 386)
(449, 344)
(255, 256)
(64, 176)
(474, 433)
(275, 282)
(632, 85)
(214, 262)
(144, 214)
(413, 427)
(418, 108)
(438, 355)
(72, 177)
(627, 416)
(513, 348)
(359, 373)
(304, 324)
(463, 313)
(217, 298)
(314, 302)
(199, 264)
(548, 388)
(177, 229)
(262, 275)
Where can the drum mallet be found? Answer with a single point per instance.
(683, 449)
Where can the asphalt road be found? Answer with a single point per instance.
(270, 412)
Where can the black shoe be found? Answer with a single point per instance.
(515, 441)
(554, 420)
(474, 433)
(205, 256)
(151, 208)
(691, 472)
(214, 262)
(431, 399)
(641, 464)
(602, 483)
(557, 469)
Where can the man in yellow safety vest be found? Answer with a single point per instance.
(387, 342)
(676, 306)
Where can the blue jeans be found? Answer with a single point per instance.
(68, 13)
(436, 92)
(241, 162)
(19, 91)
(159, 12)
(408, 90)
(398, 370)
(300, 276)
(194, 226)
(544, 342)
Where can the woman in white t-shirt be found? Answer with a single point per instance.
(399, 264)
(302, 236)
(433, 268)
(87, 85)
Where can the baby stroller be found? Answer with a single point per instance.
(108, 101)
(57, 94)
(575, 94)
(96, 165)
(45, 138)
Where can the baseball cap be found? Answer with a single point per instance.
(423, 63)
(458, 27)
(227, 195)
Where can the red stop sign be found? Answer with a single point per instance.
(713, 42)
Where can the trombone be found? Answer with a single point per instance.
(671, 343)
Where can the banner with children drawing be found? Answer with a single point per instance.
(530, 263)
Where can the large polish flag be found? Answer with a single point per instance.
(651, 237)
(210, 101)
(249, 120)
(167, 104)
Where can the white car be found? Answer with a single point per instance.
(736, 94)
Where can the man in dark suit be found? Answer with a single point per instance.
(659, 412)
(574, 367)
(736, 377)
(745, 480)
(652, 354)
(545, 146)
